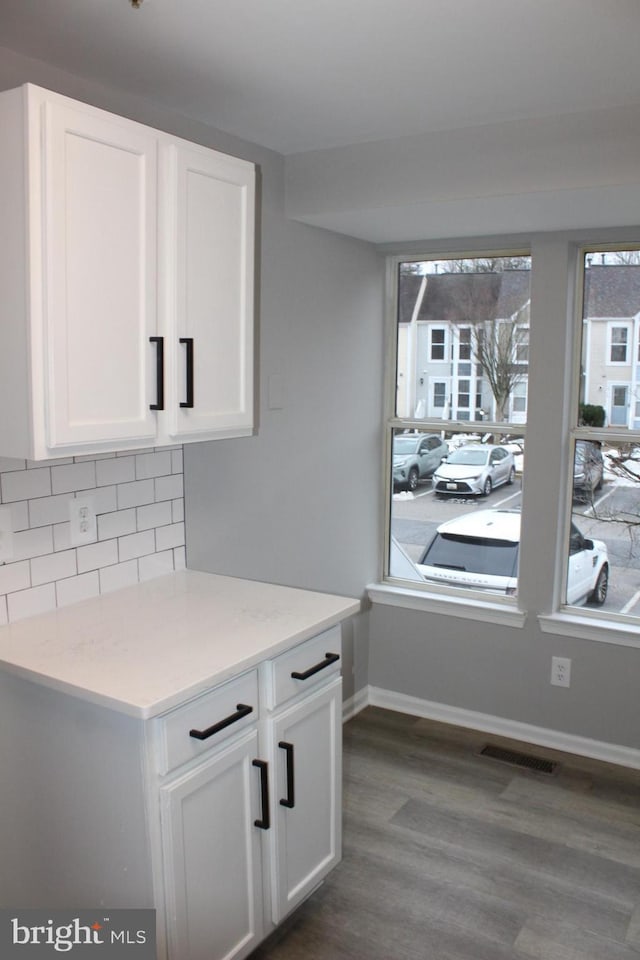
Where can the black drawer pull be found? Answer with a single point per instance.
(188, 342)
(159, 404)
(329, 658)
(242, 710)
(290, 799)
(265, 822)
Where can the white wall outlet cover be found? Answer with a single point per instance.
(6, 534)
(82, 519)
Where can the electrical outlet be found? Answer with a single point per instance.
(82, 518)
(6, 535)
(561, 671)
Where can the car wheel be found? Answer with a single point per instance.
(488, 487)
(512, 475)
(599, 594)
(412, 479)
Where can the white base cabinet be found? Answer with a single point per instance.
(307, 744)
(127, 275)
(223, 813)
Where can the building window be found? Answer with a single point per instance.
(438, 344)
(619, 345)
(454, 501)
(603, 543)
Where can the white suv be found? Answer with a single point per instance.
(480, 550)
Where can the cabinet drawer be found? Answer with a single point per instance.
(203, 723)
(303, 667)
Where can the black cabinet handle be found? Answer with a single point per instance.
(329, 658)
(188, 342)
(159, 404)
(242, 710)
(290, 799)
(264, 823)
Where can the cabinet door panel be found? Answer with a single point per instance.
(100, 276)
(307, 835)
(212, 854)
(211, 261)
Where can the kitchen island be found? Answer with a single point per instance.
(174, 745)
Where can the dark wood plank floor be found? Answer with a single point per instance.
(448, 855)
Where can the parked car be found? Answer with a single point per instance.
(481, 550)
(588, 469)
(475, 469)
(415, 457)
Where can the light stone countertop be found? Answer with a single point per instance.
(145, 649)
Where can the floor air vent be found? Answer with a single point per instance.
(519, 759)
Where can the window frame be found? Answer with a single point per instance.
(466, 603)
(566, 618)
(557, 260)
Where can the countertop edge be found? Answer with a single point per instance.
(143, 708)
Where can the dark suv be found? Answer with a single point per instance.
(588, 469)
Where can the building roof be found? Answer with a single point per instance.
(610, 291)
(465, 297)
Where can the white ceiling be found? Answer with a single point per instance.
(297, 76)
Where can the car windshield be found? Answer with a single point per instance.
(468, 455)
(473, 554)
(404, 445)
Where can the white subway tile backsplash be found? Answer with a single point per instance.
(154, 515)
(96, 555)
(137, 496)
(153, 465)
(25, 484)
(176, 461)
(169, 537)
(8, 464)
(45, 510)
(105, 499)
(77, 588)
(32, 543)
(116, 470)
(136, 545)
(74, 476)
(14, 576)
(156, 565)
(116, 524)
(55, 566)
(169, 488)
(29, 603)
(61, 536)
(19, 514)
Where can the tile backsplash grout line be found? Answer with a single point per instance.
(139, 506)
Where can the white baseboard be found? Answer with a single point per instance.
(355, 704)
(513, 729)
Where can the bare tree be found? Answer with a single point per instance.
(495, 345)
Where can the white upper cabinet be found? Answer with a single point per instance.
(207, 269)
(126, 265)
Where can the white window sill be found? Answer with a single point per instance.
(466, 607)
(565, 624)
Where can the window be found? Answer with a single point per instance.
(472, 325)
(603, 549)
(438, 344)
(619, 344)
